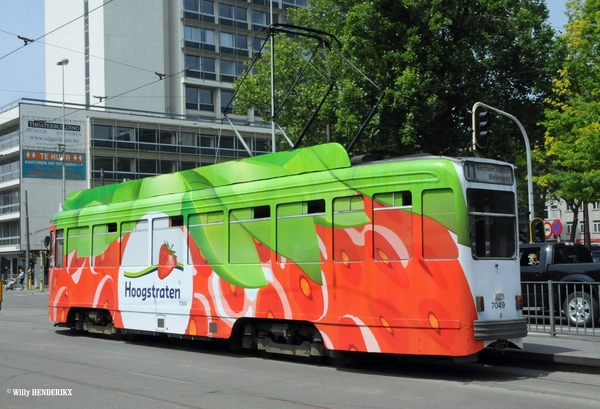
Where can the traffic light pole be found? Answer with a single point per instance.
(527, 149)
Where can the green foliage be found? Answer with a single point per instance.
(572, 119)
(433, 58)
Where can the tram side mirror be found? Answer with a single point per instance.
(46, 241)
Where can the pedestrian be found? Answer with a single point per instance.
(21, 277)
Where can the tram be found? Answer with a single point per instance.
(303, 252)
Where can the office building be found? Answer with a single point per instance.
(142, 93)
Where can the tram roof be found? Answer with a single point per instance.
(286, 163)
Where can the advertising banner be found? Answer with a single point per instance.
(47, 134)
(48, 165)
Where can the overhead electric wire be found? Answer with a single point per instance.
(73, 111)
(50, 32)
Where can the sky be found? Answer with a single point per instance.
(22, 68)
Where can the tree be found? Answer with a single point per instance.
(433, 58)
(572, 118)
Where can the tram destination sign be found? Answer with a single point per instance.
(489, 173)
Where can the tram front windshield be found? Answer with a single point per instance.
(492, 222)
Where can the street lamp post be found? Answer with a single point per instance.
(62, 146)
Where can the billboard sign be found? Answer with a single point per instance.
(47, 134)
(48, 165)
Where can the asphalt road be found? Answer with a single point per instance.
(104, 372)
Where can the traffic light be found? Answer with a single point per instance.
(482, 125)
(536, 230)
(32, 260)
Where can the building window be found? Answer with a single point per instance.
(126, 164)
(259, 18)
(227, 104)
(235, 13)
(147, 139)
(167, 137)
(187, 165)
(553, 212)
(9, 202)
(199, 99)
(148, 166)
(298, 3)
(200, 67)
(261, 145)
(10, 233)
(227, 142)
(103, 163)
(9, 170)
(200, 6)
(167, 166)
(580, 208)
(199, 35)
(595, 205)
(596, 226)
(569, 228)
(208, 141)
(257, 44)
(189, 139)
(102, 132)
(231, 69)
(234, 41)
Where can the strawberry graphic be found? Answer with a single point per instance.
(167, 260)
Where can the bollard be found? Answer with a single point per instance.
(42, 269)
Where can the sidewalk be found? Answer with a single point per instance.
(560, 349)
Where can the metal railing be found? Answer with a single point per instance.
(562, 307)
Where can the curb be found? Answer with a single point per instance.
(556, 358)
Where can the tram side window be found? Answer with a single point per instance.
(51, 250)
(78, 242)
(102, 236)
(60, 249)
(246, 226)
(135, 234)
(206, 232)
(393, 211)
(439, 216)
(167, 239)
(348, 215)
(296, 220)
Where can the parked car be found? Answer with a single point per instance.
(596, 254)
(572, 268)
